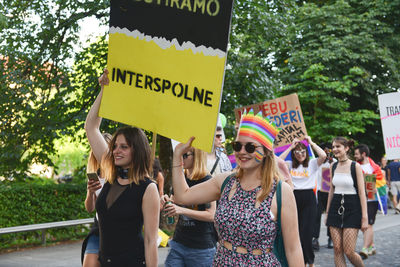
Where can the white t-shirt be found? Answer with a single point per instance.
(367, 168)
(304, 178)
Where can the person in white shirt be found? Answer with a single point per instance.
(361, 154)
(347, 207)
(304, 174)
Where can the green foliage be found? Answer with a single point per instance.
(32, 203)
(36, 106)
(70, 156)
(338, 56)
(256, 27)
(321, 97)
(3, 21)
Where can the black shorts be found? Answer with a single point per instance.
(372, 208)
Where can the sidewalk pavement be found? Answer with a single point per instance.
(387, 240)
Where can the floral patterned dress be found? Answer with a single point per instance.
(239, 222)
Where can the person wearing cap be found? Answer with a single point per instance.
(247, 212)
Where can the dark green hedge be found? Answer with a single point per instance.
(22, 204)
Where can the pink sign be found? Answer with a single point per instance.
(326, 180)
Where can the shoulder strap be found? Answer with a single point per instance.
(226, 181)
(334, 168)
(215, 165)
(354, 175)
(279, 201)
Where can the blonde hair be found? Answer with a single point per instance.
(141, 163)
(269, 173)
(93, 165)
(199, 165)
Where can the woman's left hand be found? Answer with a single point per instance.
(308, 138)
(364, 224)
(182, 148)
(172, 209)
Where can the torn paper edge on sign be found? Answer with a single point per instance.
(165, 44)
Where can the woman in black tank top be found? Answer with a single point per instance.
(128, 200)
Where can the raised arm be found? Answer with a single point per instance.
(363, 199)
(320, 152)
(290, 229)
(201, 193)
(92, 124)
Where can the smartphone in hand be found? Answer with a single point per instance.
(93, 176)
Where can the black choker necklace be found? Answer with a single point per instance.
(122, 173)
(343, 160)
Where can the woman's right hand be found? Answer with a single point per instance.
(93, 186)
(182, 148)
(364, 224)
(103, 79)
(295, 142)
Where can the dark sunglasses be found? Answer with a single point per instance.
(186, 155)
(218, 135)
(249, 147)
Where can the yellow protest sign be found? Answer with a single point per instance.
(166, 61)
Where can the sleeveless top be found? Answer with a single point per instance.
(239, 222)
(343, 183)
(121, 224)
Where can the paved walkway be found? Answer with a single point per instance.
(387, 240)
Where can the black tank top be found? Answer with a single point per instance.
(120, 226)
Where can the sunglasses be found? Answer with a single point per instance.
(249, 147)
(218, 135)
(186, 155)
(300, 152)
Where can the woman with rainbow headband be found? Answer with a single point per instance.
(247, 212)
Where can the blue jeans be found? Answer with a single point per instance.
(92, 246)
(180, 255)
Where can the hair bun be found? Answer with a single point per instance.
(350, 143)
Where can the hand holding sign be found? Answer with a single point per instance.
(294, 143)
(182, 148)
(103, 79)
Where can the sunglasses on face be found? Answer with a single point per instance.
(249, 147)
(218, 136)
(300, 152)
(186, 155)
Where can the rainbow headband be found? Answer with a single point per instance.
(259, 128)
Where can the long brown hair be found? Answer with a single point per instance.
(199, 165)
(295, 162)
(93, 165)
(141, 156)
(269, 174)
